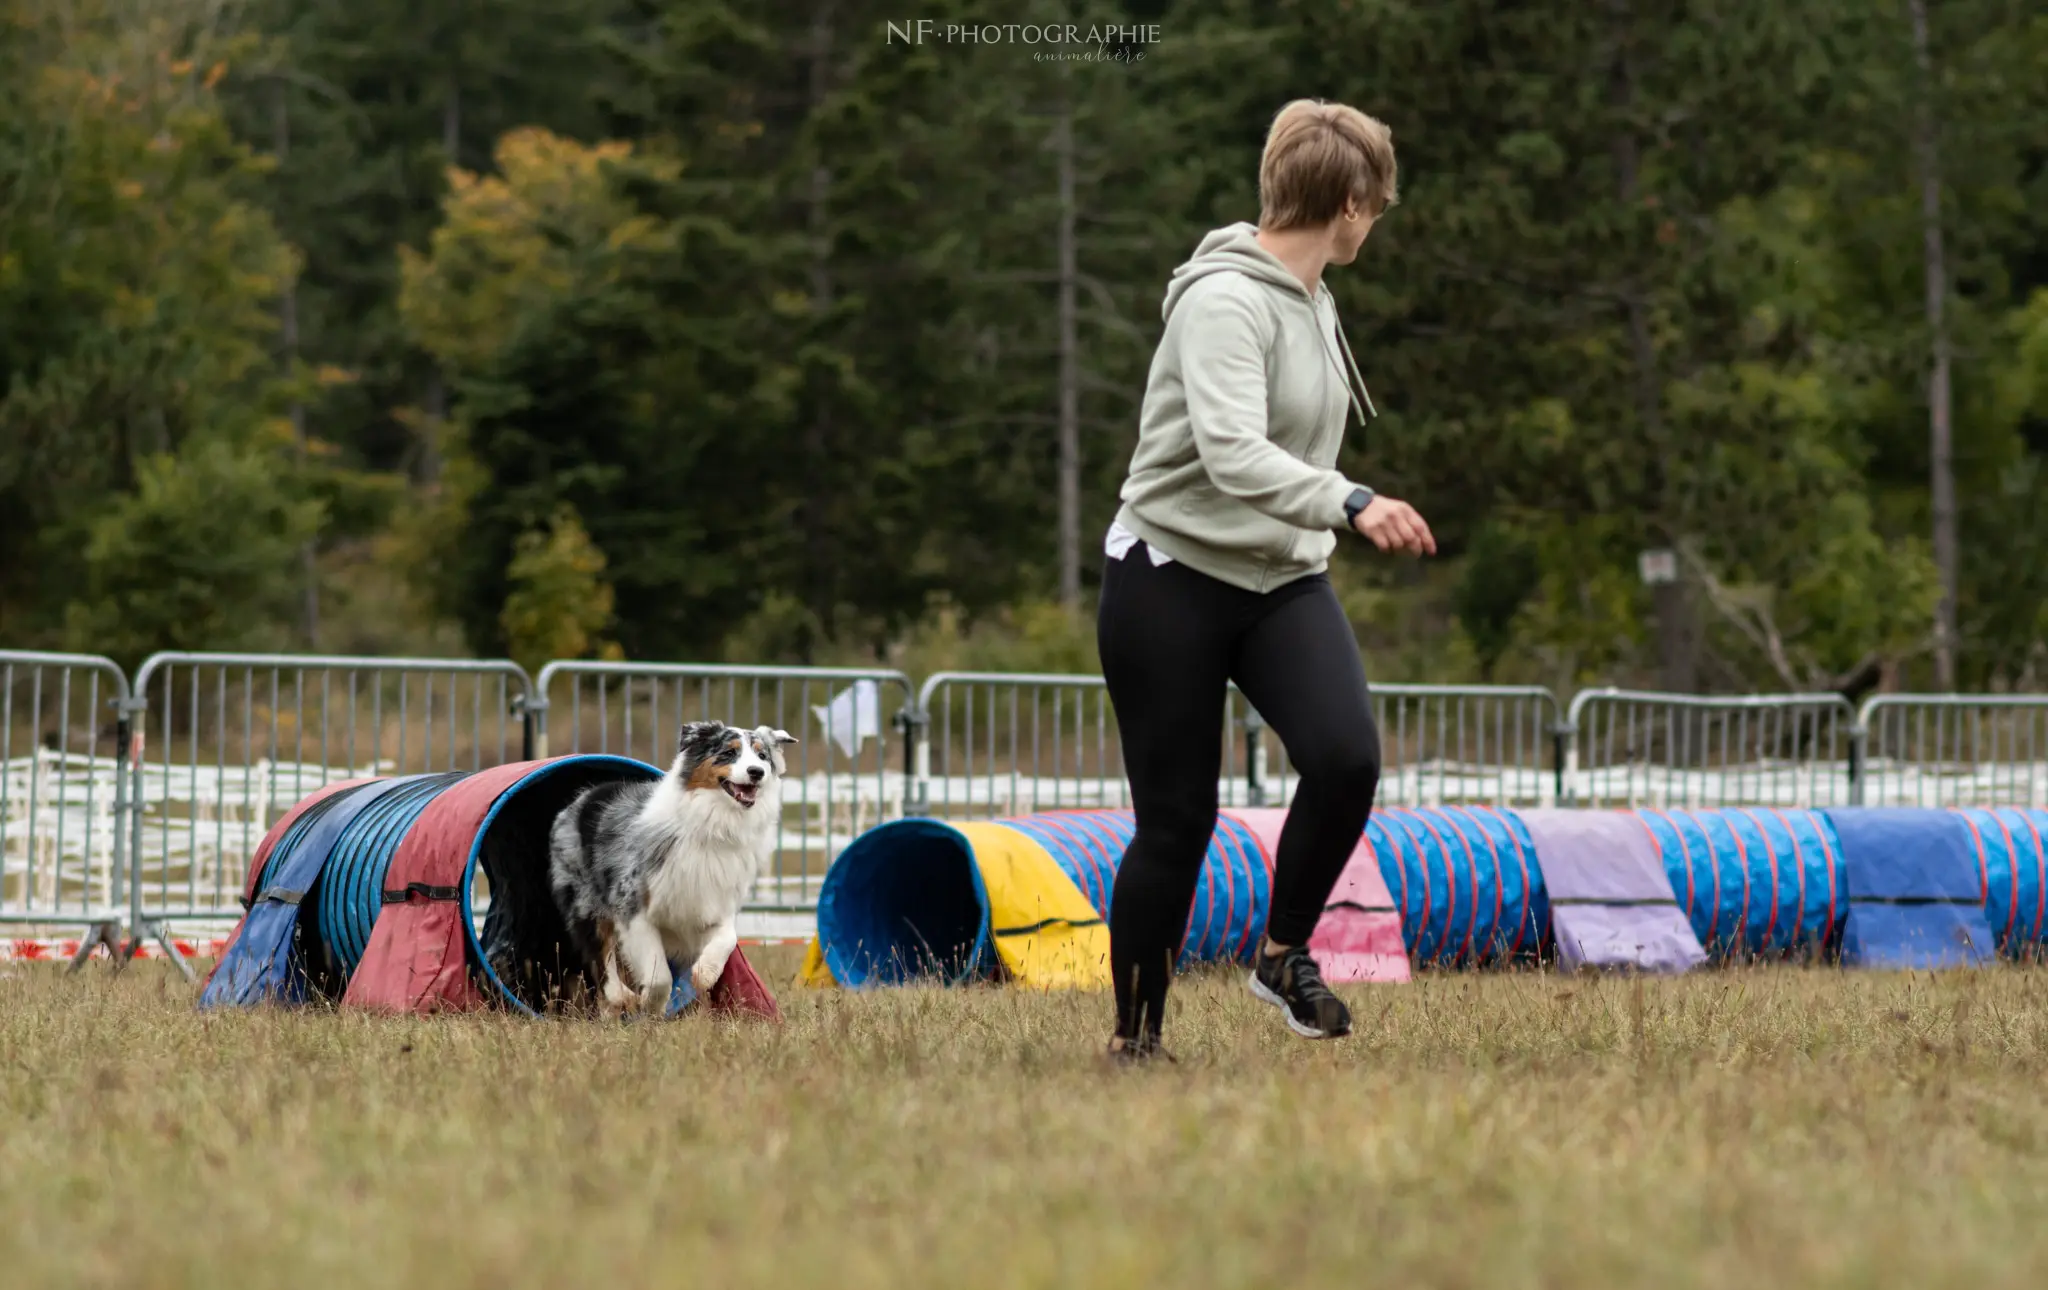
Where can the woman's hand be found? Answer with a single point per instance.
(1395, 526)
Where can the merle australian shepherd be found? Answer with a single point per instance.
(652, 874)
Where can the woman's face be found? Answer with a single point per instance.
(1348, 235)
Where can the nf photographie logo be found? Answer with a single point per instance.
(1117, 42)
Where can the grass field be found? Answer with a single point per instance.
(1758, 1128)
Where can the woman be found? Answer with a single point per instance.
(1217, 568)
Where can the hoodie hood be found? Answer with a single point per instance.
(1234, 248)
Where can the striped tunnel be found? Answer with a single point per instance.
(1755, 883)
(1231, 894)
(1466, 882)
(1020, 899)
(2011, 849)
(1451, 887)
(424, 893)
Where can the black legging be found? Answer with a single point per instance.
(1171, 640)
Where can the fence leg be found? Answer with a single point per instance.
(1857, 736)
(917, 759)
(533, 726)
(170, 948)
(129, 728)
(162, 936)
(1564, 755)
(107, 934)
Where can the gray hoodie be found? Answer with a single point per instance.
(1243, 417)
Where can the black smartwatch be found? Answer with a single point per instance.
(1360, 499)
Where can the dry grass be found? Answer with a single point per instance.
(1760, 1128)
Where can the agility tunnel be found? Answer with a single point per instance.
(1023, 900)
(1465, 881)
(1754, 884)
(2012, 857)
(368, 892)
(1612, 903)
(1358, 937)
(1916, 890)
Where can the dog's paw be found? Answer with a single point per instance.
(705, 975)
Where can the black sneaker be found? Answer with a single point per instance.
(1294, 982)
(1138, 1052)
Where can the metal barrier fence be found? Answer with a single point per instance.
(63, 731)
(843, 775)
(140, 806)
(1003, 743)
(1627, 748)
(226, 743)
(1954, 750)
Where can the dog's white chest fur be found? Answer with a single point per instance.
(709, 854)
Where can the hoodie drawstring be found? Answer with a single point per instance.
(1337, 325)
(1356, 374)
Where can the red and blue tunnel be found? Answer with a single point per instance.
(425, 893)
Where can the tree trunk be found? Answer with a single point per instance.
(1941, 446)
(1677, 652)
(1070, 356)
(437, 386)
(288, 334)
(819, 557)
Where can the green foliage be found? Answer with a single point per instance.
(1035, 636)
(136, 278)
(201, 555)
(767, 302)
(360, 102)
(1499, 570)
(559, 601)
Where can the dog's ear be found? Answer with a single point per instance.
(703, 736)
(782, 736)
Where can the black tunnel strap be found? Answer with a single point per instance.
(400, 895)
(1049, 922)
(1363, 909)
(282, 896)
(1616, 902)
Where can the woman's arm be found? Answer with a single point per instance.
(1223, 344)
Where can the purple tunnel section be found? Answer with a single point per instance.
(1611, 900)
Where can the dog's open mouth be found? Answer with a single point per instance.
(744, 794)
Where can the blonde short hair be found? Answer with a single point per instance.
(1317, 155)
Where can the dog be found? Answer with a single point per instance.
(646, 874)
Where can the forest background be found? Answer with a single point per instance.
(778, 331)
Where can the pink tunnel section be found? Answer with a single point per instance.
(1359, 936)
